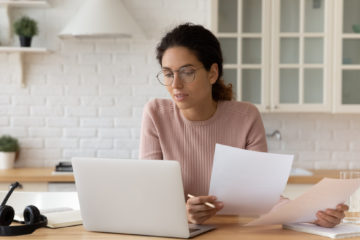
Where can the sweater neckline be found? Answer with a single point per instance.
(204, 122)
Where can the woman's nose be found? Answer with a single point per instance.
(177, 82)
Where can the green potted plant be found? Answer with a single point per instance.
(9, 147)
(25, 28)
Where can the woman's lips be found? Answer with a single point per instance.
(180, 97)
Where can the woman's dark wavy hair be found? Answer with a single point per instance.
(205, 46)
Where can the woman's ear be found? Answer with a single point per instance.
(213, 73)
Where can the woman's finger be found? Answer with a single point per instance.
(201, 199)
(198, 212)
(335, 213)
(323, 223)
(342, 207)
(202, 220)
(204, 214)
(199, 218)
(326, 220)
(194, 208)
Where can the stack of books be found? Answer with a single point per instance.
(64, 167)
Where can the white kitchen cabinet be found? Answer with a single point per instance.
(61, 187)
(347, 55)
(301, 64)
(245, 42)
(26, 186)
(277, 53)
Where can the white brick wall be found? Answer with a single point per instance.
(328, 141)
(86, 97)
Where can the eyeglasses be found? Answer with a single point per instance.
(186, 75)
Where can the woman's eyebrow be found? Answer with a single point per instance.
(186, 65)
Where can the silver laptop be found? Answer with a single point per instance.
(142, 197)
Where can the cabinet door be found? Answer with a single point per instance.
(301, 61)
(241, 27)
(347, 67)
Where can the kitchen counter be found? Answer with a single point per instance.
(43, 179)
(227, 227)
(40, 175)
(316, 177)
(46, 175)
(37, 180)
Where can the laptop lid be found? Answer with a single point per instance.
(132, 196)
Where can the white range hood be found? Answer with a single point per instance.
(102, 18)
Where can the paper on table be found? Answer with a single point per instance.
(343, 230)
(249, 183)
(325, 194)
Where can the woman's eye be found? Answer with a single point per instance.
(188, 73)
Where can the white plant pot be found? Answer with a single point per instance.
(7, 160)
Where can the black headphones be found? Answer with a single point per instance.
(32, 218)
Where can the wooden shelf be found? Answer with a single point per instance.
(19, 52)
(23, 50)
(24, 3)
(6, 32)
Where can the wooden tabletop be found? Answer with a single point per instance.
(34, 175)
(227, 227)
(46, 175)
(316, 177)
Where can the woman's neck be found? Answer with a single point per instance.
(201, 112)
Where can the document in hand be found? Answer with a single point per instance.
(249, 183)
(325, 194)
(343, 230)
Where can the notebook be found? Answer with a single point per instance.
(343, 230)
(64, 219)
(57, 217)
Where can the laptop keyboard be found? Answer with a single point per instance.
(193, 229)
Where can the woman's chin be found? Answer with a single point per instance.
(181, 104)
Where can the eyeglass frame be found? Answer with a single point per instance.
(177, 71)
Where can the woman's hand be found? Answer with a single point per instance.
(198, 212)
(331, 217)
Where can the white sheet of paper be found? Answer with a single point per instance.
(249, 183)
(325, 194)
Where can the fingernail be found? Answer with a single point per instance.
(220, 204)
(214, 198)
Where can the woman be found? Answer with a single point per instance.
(201, 114)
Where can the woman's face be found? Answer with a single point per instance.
(186, 95)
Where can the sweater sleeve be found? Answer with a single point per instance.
(149, 139)
(256, 138)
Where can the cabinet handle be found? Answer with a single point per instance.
(276, 107)
(267, 107)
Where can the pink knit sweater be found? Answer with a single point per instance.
(167, 134)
